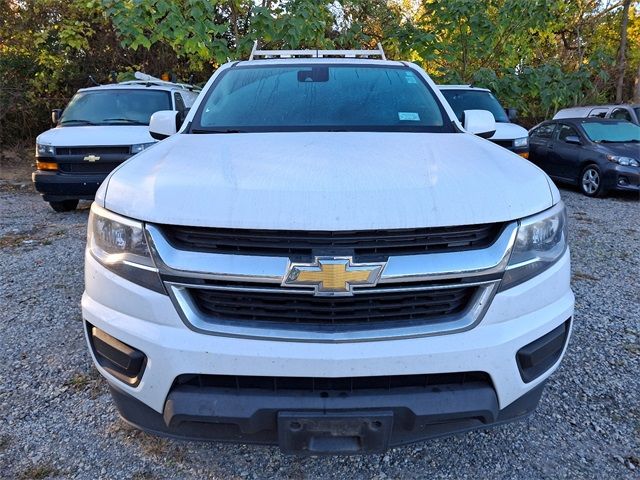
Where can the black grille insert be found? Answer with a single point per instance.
(123, 150)
(97, 167)
(322, 385)
(365, 243)
(300, 310)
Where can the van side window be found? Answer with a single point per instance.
(621, 114)
(544, 131)
(179, 102)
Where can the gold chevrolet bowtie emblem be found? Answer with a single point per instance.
(332, 275)
(92, 158)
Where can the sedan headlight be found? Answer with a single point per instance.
(120, 245)
(540, 242)
(138, 147)
(521, 142)
(624, 161)
(45, 150)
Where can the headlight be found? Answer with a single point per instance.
(521, 142)
(540, 242)
(45, 150)
(120, 245)
(624, 161)
(138, 147)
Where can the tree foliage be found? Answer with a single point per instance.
(537, 55)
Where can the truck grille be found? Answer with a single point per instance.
(367, 243)
(377, 309)
(388, 383)
(504, 143)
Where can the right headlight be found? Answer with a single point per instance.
(541, 240)
(120, 245)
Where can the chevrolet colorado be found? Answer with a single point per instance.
(325, 258)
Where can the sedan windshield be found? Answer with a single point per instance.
(612, 132)
(461, 100)
(114, 107)
(320, 97)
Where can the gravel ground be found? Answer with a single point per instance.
(58, 420)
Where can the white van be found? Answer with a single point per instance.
(508, 134)
(101, 127)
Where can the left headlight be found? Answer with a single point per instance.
(624, 161)
(120, 245)
(540, 242)
(138, 147)
(521, 142)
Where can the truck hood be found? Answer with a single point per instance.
(98, 135)
(509, 131)
(326, 181)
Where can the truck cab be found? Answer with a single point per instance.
(508, 134)
(100, 128)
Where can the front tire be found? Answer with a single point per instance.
(64, 205)
(591, 181)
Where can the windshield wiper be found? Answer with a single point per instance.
(73, 120)
(631, 140)
(127, 120)
(228, 130)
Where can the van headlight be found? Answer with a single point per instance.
(45, 150)
(541, 240)
(138, 147)
(120, 245)
(521, 142)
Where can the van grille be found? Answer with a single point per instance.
(123, 150)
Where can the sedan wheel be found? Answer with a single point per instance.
(591, 181)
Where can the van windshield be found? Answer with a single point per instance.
(320, 97)
(461, 100)
(114, 107)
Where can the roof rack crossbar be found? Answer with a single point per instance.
(144, 79)
(266, 54)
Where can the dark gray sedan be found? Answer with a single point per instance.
(596, 154)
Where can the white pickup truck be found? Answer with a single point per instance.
(325, 259)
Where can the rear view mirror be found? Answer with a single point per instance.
(573, 139)
(512, 114)
(163, 124)
(56, 113)
(479, 122)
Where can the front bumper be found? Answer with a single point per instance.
(622, 178)
(149, 322)
(56, 186)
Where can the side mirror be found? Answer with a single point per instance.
(163, 124)
(512, 114)
(479, 122)
(56, 113)
(573, 139)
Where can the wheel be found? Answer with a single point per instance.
(64, 205)
(591, 181)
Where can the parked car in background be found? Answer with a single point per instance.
(100, 128)
(324, 258)
(508, 134)
(630, 112)
(596, 154)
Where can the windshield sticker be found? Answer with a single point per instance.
(409, 116)
(410, 78)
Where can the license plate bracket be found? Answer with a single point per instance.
(315, 433)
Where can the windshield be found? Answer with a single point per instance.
(114, 107)
(306, 97)
(461, 100)
(610, 131)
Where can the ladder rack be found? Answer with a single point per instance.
(266, 54)
(144, 79)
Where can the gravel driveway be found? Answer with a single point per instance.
(57, 419)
